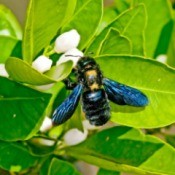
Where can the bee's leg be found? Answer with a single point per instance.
(69, 84)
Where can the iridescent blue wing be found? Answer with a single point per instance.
(124, 95)
(67, 108)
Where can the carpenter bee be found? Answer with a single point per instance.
(95, 91)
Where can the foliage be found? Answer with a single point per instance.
(125, 40)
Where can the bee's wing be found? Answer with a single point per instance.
(124, 95)
(67, 108)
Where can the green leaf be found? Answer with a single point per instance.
(9, 26)
(107, 172)
(130, 24)
(22, 110)
(21, 71)
(61, 71)
(115, 43)
(58, 96)
(6, 45)
(159, 26)
(15, 157)
(45, 166)
(109, 15)
(122, 5)
(10, 32)
(170, 139)
(42, 23)
(153, 78)
(62, 168)
(76, 120)
(171, 49)
(126, 150)
(89, 13)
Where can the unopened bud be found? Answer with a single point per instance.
(46, 125)
(67, 41)
(74, 136)
(42, 64)
(3, 71)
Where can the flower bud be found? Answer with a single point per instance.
(3, 71)
(67, 41)
(162, 58)
(74, 136)
(46, 125)
(42, 64)
(73, 55)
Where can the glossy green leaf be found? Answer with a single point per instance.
(153, 78)
(126, 150)
(22, 110)
(42, 23)
(115, 43)
(21, 71)
(10, 32)
(15, 157)
(159, 26)
(89, 13)
(62, 168)
(107, 172)
(130, 24)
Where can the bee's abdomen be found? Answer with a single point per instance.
(96, 107)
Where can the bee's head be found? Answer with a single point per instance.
(85, 62)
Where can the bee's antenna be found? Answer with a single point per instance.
(73, 56)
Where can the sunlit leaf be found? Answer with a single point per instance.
(21, 71)
(153, 78)
(159, 26)
(42, 23)
(130, 24)
(83, 17)
(10, 32)
(115, 43)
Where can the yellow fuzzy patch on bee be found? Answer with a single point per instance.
(94, 86)
(91, 72)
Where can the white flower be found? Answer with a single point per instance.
(46, 125)
(3, 71)
(73, 54)
(74, 136)
(162, 58)
(67, 41)
(42, 63)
